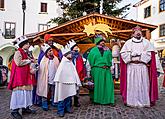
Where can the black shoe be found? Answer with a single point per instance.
(112, 105)
(76, 101)
(69, 111)
(16, 115)
(28, 111)
(61, 115)
(45, 109)
(77, 105)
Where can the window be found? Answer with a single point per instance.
(43, 7)
(162, 30)
(1, 4)
(9, 30)
(43, 27)
(162, 5)
(147, 12)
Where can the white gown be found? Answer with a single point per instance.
(66, 80)
(137, 74)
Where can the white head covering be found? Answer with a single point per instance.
(65, 49)
(21, 39)
(45, 47)
(71, 43)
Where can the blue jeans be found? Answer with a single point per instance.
(51, 88)
(37, 100)
(64, 105)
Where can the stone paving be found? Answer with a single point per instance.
(91, 111)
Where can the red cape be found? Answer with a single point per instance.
(80, 68)
(20, 75)
(164, 80)
(152, 76)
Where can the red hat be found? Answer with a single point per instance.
(47, 37)
(137, 28)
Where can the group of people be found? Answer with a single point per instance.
(60, 74)
(55, 78)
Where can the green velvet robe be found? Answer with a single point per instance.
(103, 82)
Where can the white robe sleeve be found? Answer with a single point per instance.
(126, 56)
(113, 66)
(126, 52)
(88, 68)
(145, 57)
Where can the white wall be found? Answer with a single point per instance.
(13, 13)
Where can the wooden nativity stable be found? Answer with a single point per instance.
(120, 29)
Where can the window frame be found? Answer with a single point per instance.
(163, 30)
(163, 4)
(10, 36)
(146, 10)
(39, 26)
(42, 9)
(2, 4)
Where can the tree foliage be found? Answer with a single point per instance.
(75, 8)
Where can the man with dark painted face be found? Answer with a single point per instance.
(138, 77)
(48, 39)
(79, 64)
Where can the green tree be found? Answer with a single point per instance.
(75, 8)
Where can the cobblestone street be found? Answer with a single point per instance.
(91, 111)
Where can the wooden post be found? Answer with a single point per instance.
(148, 34)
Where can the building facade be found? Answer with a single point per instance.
(35, 17)
(153, 12)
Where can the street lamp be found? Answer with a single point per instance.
(101, 6)
(23, 9)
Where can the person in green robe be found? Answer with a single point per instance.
(100, 61)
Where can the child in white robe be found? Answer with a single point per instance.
(67, 81)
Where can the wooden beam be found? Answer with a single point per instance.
(67, 34)
(82, 33)
(148, 34)
(83, 38)
(124, 31)
(35, 39)
(126, 21)
(118, 36)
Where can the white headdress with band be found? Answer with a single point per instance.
(72, 43)
(45, 47)
(21, 39)
(65, 49)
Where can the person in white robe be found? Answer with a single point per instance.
(46, 74)
(67, 82)
(21, 82)
(136, 54)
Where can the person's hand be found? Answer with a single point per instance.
(112, 70)
(133, 54)
(28, 61)
(137, 62)
(32, 60)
